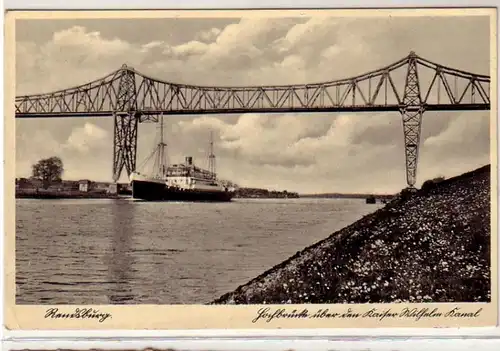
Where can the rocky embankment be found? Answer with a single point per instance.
(432, 246)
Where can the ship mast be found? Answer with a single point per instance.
(211, 157)
(161, 161)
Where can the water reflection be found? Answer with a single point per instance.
(120, 260)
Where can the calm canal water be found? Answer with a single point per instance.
(130, 252)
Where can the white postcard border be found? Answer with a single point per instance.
(193, 333)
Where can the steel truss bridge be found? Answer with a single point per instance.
(409, 86)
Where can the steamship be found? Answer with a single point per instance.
(179, 182)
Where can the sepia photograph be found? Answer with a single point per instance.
(251, 158)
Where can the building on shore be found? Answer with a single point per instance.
(84, 185)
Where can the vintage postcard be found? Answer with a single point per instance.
(251, 169)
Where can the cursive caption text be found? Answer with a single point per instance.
(268, 314)
(78, 313)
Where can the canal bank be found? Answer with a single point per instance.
(430, 246)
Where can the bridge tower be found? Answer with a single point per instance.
(126, 120)
(412, 111)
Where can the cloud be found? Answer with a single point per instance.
(346, 149)
(72, 57)
(464, 129)
(288, 141)
(191, 48)
(79, 38)
(208, 35)
(78, 55)
(306, 33)
(86, 138)
(254, 51)
(34, 146)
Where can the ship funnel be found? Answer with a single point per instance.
(189, 161)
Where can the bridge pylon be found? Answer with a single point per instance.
(412, 111)
(124, 144)
(126, 120)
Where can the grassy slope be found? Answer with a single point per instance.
(434, 246)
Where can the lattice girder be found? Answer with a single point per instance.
(379, 90)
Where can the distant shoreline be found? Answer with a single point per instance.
(84, 196)
(41, 194)
(346, 196)
(243, 193)
(54, 194)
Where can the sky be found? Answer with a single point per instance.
(308, 152)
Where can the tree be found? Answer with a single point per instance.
(48, 170)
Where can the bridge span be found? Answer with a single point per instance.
(131, 98)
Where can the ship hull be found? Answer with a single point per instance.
(154, 191)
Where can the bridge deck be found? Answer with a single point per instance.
(380, 108)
